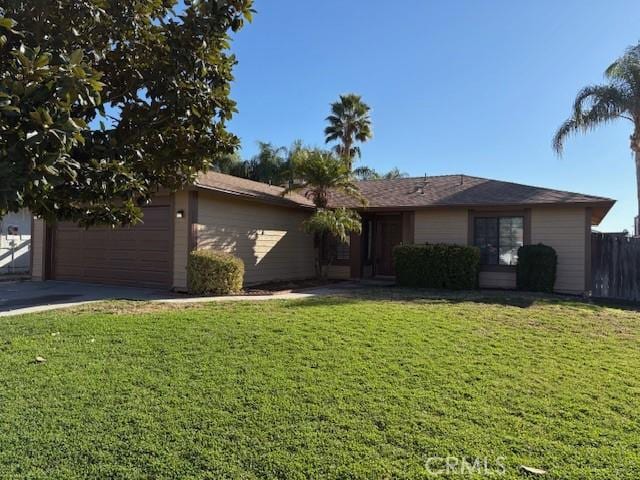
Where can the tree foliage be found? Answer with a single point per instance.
(339, 223)
(349, 124)
(65, 65)
(597, 105)
(318, 173)
(274, 165)
(368, 173)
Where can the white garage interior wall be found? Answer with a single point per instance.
(15, 243)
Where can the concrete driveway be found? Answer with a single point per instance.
(17, 298)
(28, 297)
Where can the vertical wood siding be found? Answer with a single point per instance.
(268, 239)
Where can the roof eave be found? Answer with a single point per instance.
(600, 207)
(285, 203)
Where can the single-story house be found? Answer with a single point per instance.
(261, 226)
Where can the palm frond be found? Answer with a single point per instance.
(625, 71)
(596, 105)
(603, 97)
(349, 123)
(566, 129)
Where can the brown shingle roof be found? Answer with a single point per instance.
(250, 190)
(411, 193)
(462, 190)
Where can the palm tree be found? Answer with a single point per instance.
(395, 173)
(317, 174)
(365, 173)
(368, 173)
(619, 98)
(349, 123)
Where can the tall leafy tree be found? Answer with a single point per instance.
(269, 165)
(66, 65)
(618, 98)
(349, 124)
(272, 164)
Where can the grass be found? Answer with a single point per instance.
(324, 388)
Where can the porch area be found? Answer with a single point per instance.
(369, 255)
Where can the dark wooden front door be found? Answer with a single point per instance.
(388, 235)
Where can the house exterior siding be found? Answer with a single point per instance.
(339, 272)
(180, 239)
(564, 229)
(269, 239)
(500, 280)
(441, 226)
(38, 234)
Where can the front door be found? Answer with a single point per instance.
(388, 235)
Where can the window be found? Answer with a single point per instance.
(498, 239)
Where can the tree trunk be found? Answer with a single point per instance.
(347, 154)
(637, 218)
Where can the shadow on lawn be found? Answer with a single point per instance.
(399, 294)
(506, 298)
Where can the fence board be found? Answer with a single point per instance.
(615, 267)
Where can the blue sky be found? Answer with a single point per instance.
(455, 87)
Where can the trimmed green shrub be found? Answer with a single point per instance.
(536, 270)
(453, 267)
(214, 273)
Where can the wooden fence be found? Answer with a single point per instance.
(615, 267)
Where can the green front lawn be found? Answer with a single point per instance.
(325, 388)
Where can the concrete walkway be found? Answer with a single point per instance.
(18, 298)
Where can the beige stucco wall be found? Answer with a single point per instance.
(37, 248)
(180, 240)
(269, 239)
(441, 226)
(564, 229)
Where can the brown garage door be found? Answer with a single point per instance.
(138, 255)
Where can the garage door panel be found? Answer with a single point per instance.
(153, 218)
(138, 255)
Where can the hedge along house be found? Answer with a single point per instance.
(258, 224)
